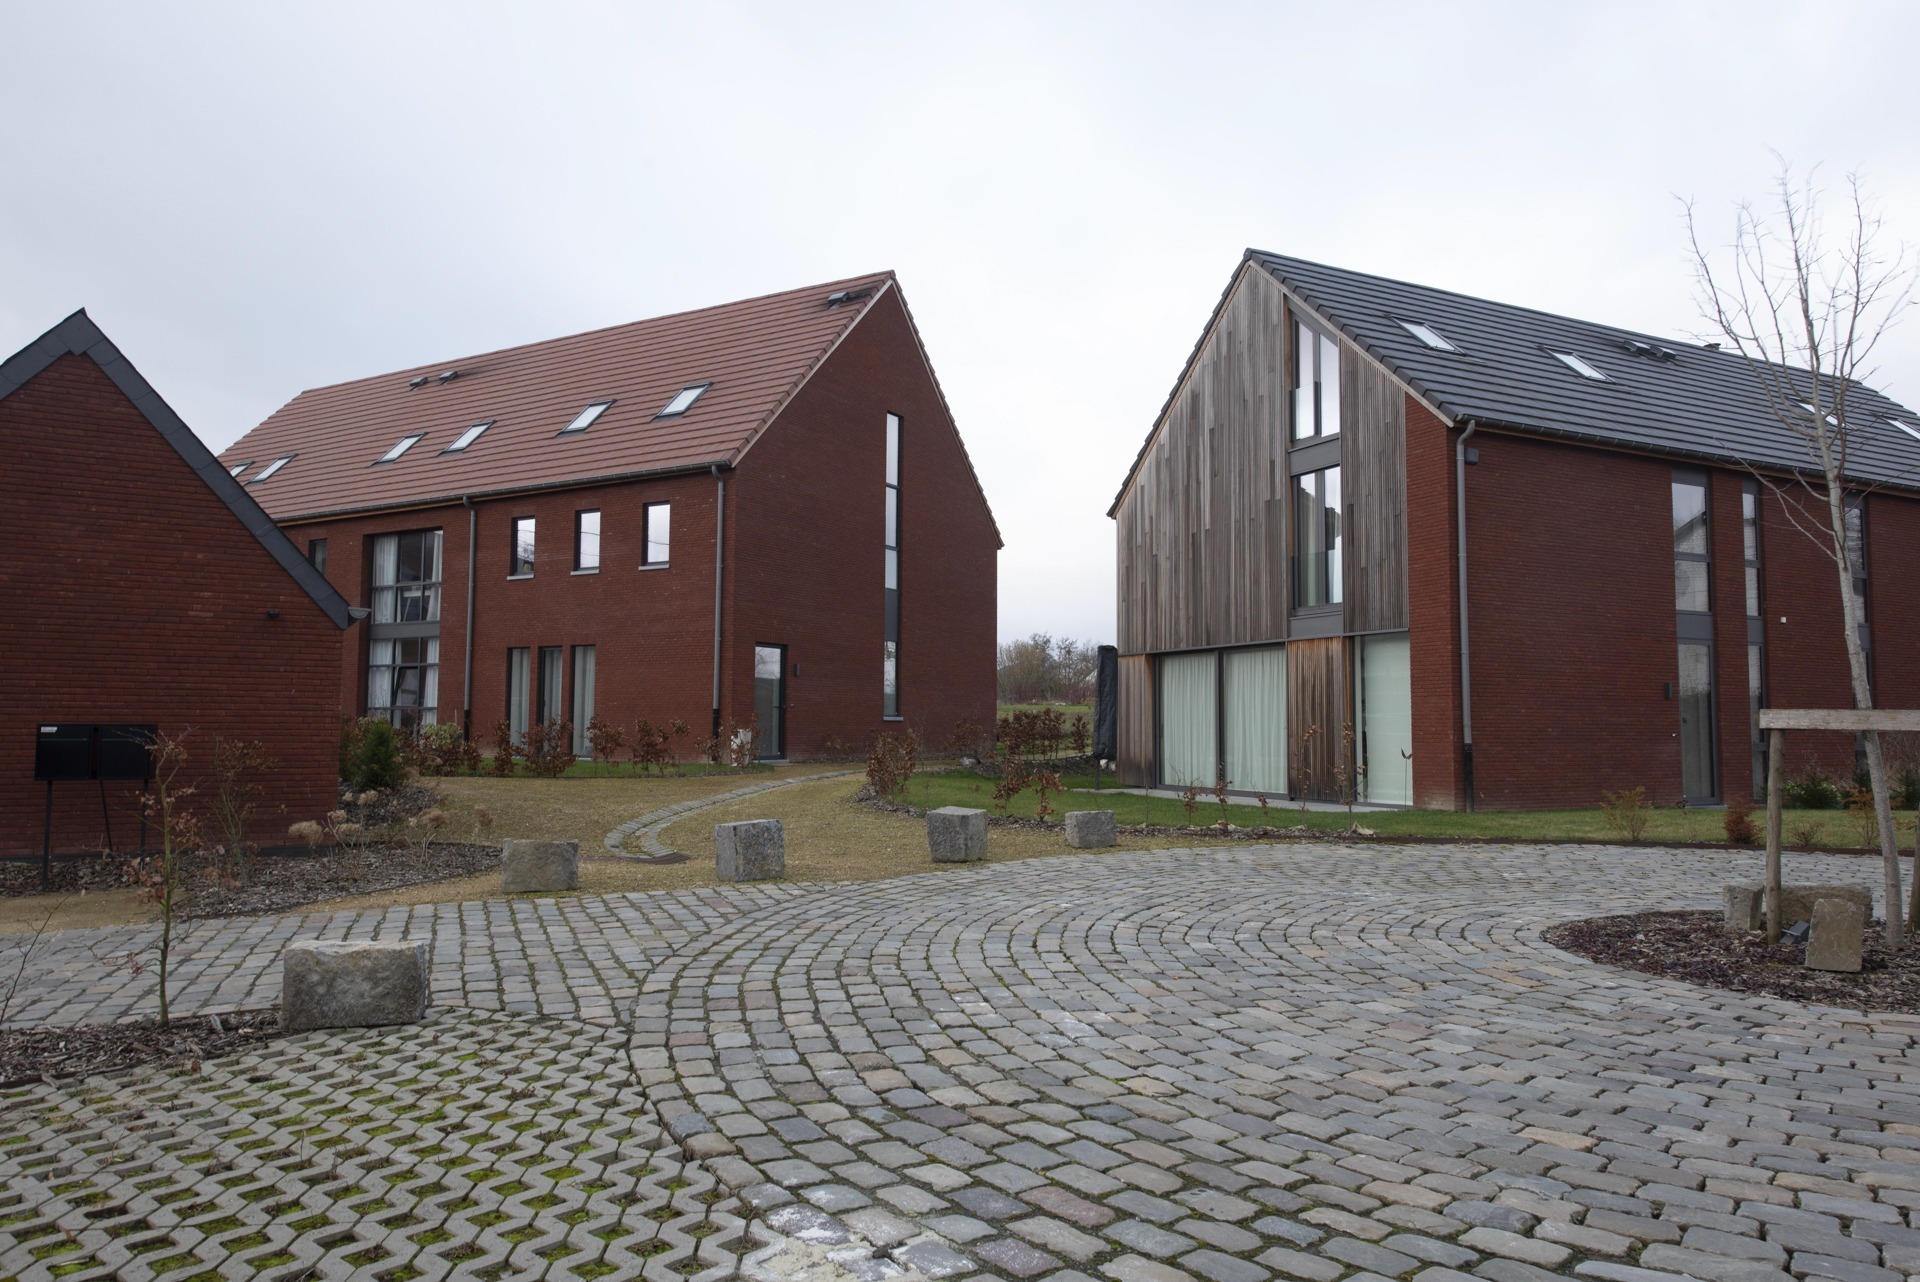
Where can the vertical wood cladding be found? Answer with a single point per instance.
(1319, 713)
(1202, 530)
(1373, 432)
(1136, 721)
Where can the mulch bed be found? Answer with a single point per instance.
(280, 882)
(1692, 947)
(48, 1054)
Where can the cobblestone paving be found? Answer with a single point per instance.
(1308, 1062)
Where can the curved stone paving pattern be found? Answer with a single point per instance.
(1310, 1062)
(648, 827)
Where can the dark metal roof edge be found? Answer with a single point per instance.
(77, 335)
(455, 496)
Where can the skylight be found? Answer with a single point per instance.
(683, 400)
(1579, 366)
(1428, 335)
(467, 437)
(1906, 427)
(585, 418)
(400, 447)
(238, 468)
(271, 468)
(1808, 407)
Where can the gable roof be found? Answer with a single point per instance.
(755, 354)
(1700, 404)
(77, 335)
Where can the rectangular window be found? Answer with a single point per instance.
(403, 680)
(682, 400)
(400, 447)
(1750, 544)
(522, 548)
(549, 707)
(1189, 708)
(1756, 632)
(467, 437)
(586, 541)
(518, 689)
(586, 417)
(406, 577)
(1756, 700)
(271, 468)
(1691, 590)
(1317, 539)
(1698, 782)
(1316, 383)
(1385, 716)
(1256, 719)
(317, 554)
(582, 700)
(658, 519)
(890, 653)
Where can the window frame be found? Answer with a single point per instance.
(273, 467)
(647, 560)
(400, 449)
(579, 540)
(317, 555)
(668, 411)
(1438, 342)
(468, 436)
(1334, 550)
(590, 414)
(532, 544)
(1323, 341)
(1580, 365)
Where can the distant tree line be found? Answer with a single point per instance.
(1041, 669)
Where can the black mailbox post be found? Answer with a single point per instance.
(73, 751)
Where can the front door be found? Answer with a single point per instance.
(770, 701)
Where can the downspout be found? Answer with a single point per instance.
(1466, 670)
(719, 565)
(466, 667)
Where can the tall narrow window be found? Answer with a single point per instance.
(317, 554)
(1317, 539)
(403, 634)
(1693, 602)
(1756, 632)
(658, 519)
(518, 688)
(1316, 383)
(403, 680)
(549, 707)
(522, 567)
(890, 648)
(582, 699)
(1189, 720)
(586, 542)
(406, 577)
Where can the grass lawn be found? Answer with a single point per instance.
(1832, 828)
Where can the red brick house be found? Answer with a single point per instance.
(758, 513)
(156, 592)
(1346, 458)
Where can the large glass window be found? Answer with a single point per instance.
(406, 577)
(519, 687)
(1256, 720)
(1189, 752)
(522, 565)
(890, 646)
(1756, 700)
(1698, 782)
(403, 680)
(658, 519)
(1691, 591)
(1316, 383)
(582, 699)
(1317, 538)
(586, 542)
(1385, 714)
(1750, 544)
(1756, 633)
(550, 708)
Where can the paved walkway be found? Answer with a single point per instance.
(1306, 1062)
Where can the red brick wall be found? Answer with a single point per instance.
(135, 595)
(1432, 611)
(808, 570)
(805, 522)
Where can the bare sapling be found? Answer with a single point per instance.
(163, 876)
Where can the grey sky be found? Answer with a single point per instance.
(255, 199)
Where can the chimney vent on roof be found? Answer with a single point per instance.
(449, 376)
(846, 296)
(1652, 351)
(418, 383)
(1712, 347)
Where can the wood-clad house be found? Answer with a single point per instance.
(1292, 557)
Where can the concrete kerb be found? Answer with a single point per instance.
(649, 826)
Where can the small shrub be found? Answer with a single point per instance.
(1808, 833)
(1013, 781)
(549, 751)
(891, 763)
(606, 739)
(505, 751)
(970, 740)
(1738, 823)
(1863, 818)
(1626, 813)
(652, 745)
(238, 765)
(442, 749)
(1045, 784)
(376, 758)
(1814, 790)
(1190, 801)
(306, 832)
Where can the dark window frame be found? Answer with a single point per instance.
(891, 569)
(579, 540)
(647, 561)
(514, 559)
(667, 410)
(1334, 577)
(1323, 338)
(317, 554)
(602, 406)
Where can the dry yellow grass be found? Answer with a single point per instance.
(25, 914)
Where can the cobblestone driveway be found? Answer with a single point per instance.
(1306, 1062)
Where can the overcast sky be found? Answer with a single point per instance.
(253, 199)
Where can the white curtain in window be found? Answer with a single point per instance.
(386, 566)
(379, 677)
(1188, 752)
(582, 699)
(1386, 718)
(517, 690)
(1256, 707)
(430, 684)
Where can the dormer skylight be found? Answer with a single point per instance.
(271, 468)
(238, 468)
(683, 400)
(585, 418)
(467, 437)
(400, 447)
(1428, 335)
(1579, 366)
(1906, 427)
(1808, 407)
